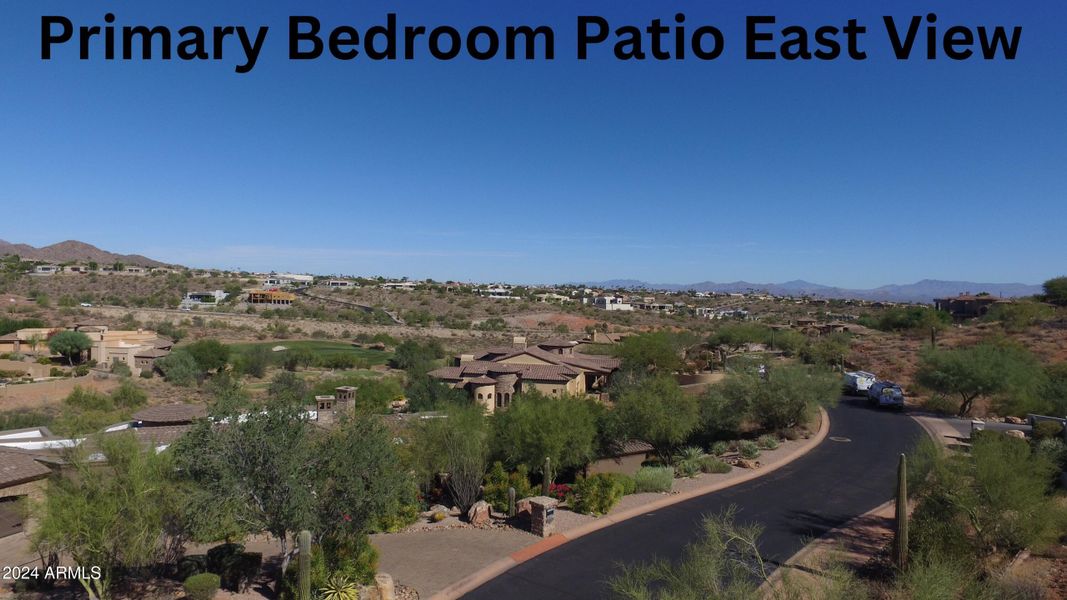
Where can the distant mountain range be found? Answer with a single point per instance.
(75, 251)
(921, 291)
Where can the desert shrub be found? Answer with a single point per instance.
(56, 372)
(217, 554)
(710, 464)
(128, 395)
(654, 479)
(351, 556)
(938, 577)
(88, 399)
(44, 360)
(394, 521)
(147, 374)
(1047, 429)
(748, 449)
(940, 404)
(1054, 449)
(201, 587)
(1019, 587)
(339, 587)
(595, 495)
(497, 482)
(559, 491)
(191, 564)
(687, 462)
(121, 369)
(767, 442)
(629, 486)
(719, 448)
(238, 571)
(438, 517)
(81, 370)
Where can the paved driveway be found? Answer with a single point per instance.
(850, 473)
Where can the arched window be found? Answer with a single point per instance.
(480, 396)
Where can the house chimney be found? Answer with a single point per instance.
(519, 341)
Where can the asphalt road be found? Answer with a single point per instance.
(849, 473)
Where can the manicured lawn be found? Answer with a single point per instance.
(319, 347)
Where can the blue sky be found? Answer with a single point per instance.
(844, 173)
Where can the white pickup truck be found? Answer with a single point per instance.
(858, 382)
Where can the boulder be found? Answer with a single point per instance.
(479, 514)
(1014, 420)
(1015, 433)
(745, 463)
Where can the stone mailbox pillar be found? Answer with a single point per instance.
(543, 515)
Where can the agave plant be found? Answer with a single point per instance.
(339, 587)
(689, 454)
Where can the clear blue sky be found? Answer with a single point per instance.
(844, 173)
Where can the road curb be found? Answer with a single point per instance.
(499, 567)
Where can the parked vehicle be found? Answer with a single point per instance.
(858, 382)
(86, 305)
(886, 394)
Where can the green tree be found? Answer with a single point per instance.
(995, 499)
(786, 397)
(180, 368)
(255, 361)
(827, 351)
(656, 352)
(1017, 316)
(70, 344)
(1055, 393)
(999, 370)
(359, 478)
(657, 411)
(259, 472)
(288, 387)
(228, 396)
(411, 355)
(129, 395)
(456, 446)
(210, 355)
(111, 518)
(723, 407)
(1056, 291)
(426, 393)
(536, 427)
(730, 338)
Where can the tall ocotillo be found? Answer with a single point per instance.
(303, 542)
(546, 479)
(900, 540)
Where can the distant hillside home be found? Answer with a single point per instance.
(272, 297)
(967, 306)
(611, 303)
(138, 349)
(491, 377)
(284, 279)
(47, 269)
(553, 297)
(398, 285)
(196, 299)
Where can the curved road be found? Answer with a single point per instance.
(836, 481)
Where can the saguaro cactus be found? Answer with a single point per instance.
(546, 479)
(511, 502)
(900, 540)
(303, 542)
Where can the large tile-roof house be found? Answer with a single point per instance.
(493, 376)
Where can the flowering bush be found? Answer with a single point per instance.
(559, 491)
